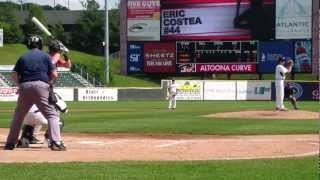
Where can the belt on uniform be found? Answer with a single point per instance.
(33, 81)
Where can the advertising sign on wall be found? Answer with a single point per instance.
(8, 94)
(67, 94)
(143, 20)
(160, 57)
(303, 91)
(97, 94)
(220, 90)
(135, 58)
(226, 68)
(294, 19)
(189, 90)
(270, 52)
(253, 90)
(213, 19)
(186, 68)
(303, 56)
(1, 37)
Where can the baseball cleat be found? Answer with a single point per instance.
(57, 146)
(9, 146)
(23, 143)
(34, 140)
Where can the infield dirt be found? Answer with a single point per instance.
(122, 147)
(267, 114)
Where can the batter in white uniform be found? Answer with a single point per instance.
(172, 89)
(280, 76)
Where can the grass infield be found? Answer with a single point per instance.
(280, 169)
(142, 117)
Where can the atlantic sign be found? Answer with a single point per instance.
(294, 19)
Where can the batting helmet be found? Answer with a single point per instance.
(34, 41)
(54, 46)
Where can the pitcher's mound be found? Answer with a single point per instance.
(292, 114)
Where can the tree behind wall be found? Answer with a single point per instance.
(114, 24)
(30, 28)
(89, 33)
(9, 23)
(58, 31)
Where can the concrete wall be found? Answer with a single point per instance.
(140, 94)
(55, 17)
(146, 94)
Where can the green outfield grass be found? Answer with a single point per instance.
(281, 169)
(152, 117)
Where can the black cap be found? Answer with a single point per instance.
(282, 59)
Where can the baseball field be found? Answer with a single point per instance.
(144, 140)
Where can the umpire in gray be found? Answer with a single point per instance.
(33, 74)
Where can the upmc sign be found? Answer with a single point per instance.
(160, 57)
(226, 68)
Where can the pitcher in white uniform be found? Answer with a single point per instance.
(280, 76)
(172, 89)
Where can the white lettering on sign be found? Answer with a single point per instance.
(143, 4)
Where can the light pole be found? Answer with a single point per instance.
(21, 5)
(106, 44)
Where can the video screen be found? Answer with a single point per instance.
(217, 19)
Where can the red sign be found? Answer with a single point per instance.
(143, 9)
(226, 68)
(159, 57)
(8, 91)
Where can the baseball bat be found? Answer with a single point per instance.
(41, 26)
(47, 32)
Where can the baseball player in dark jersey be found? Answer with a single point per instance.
(33, 73)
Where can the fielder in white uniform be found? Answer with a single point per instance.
(280, 76)
(172, 89)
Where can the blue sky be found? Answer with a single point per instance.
(74, 4)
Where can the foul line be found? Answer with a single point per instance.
(171, 144)
(101, 143)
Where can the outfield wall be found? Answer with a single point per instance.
(188, 90)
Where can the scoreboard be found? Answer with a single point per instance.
(210, 36)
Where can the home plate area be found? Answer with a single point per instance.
(92, 148)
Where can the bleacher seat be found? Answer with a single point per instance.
(66, 79)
